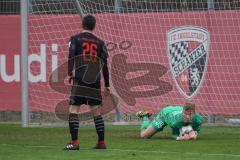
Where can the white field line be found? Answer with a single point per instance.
(130, 150)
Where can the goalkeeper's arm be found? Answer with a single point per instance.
(175, 133)
(189, 135)
(197, 122)
(196, 125)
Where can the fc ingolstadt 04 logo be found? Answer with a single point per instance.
(188, 56)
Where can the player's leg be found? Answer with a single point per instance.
(98, 121)
(100, 128)
(145, 118)
(148, 133)
(73, 119)
(73, 122)
(148, 129)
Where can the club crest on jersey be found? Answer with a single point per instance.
(188, 56)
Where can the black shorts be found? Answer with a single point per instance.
(83, 93)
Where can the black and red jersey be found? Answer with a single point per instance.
(88, 58)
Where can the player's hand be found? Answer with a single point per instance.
(192, 135)
(184, 137)
(107, 91)
(70, 80)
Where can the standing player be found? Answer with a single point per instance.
(174, 116)
(87, 59)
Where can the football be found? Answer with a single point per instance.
(185, 129)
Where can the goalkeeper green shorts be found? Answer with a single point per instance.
(158, 123)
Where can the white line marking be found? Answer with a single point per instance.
(169, 152)
(129, 150)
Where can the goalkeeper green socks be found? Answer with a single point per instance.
(145, 123)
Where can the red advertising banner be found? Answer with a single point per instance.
(137, 43)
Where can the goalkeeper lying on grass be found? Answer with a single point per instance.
(183, 120)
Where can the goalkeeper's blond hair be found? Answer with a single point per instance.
(189, 107)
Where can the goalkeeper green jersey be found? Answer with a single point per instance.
(174, 117)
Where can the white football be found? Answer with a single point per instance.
(185, 130)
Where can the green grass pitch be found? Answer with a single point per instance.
(214, 143)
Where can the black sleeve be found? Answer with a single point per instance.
(105, 73)
(72, 51)
(104, 56)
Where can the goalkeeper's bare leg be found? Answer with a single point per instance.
(147, 130)
(148, 133)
